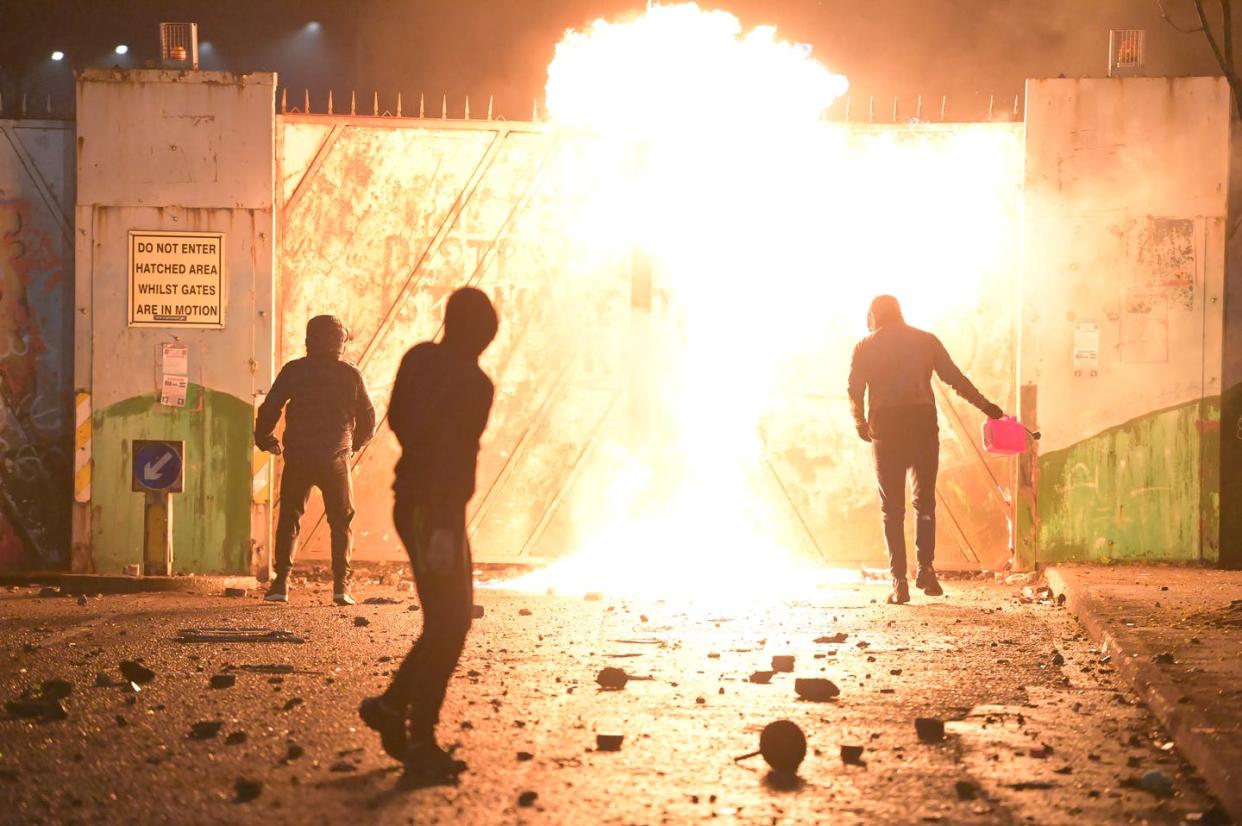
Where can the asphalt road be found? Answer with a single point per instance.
(1031, 737)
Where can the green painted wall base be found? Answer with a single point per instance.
(1145, 490)
(211, 518)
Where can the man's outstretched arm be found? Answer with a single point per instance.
(955, 378)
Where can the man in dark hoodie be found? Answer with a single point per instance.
(893, 366)
(440, 405)
(329, 417)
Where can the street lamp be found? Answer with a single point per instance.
(121, 49)
(58, 55)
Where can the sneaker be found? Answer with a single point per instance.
(926, 580)
(389, 722)
(343, 598)
(428, 764)
(900, 594)
(278, 591)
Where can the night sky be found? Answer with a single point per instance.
(965, 49)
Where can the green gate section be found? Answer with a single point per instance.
(211, 518)
(1143, 490)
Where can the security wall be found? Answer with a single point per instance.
(36, 342)
(1126, 195)
(184, 160)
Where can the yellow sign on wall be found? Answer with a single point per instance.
(176, 279)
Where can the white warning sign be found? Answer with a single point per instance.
(176, 279)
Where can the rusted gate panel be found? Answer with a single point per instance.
(383, 218)
(36, 341)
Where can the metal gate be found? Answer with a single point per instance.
(381, 218)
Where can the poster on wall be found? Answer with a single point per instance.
(1086, 347)
(176, 279)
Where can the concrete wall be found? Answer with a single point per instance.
(1126, 195)
(162, 150)
(36, 342)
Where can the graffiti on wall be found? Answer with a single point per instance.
(34, 461)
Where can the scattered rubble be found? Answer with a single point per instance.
(930, 730)
(816, 689)
(612, 678)
(833, 639)
(234, 592)
(852, 755)
(527, 798)
(783, 663)
(223, 680)
(205, 729)
(361, 622)
(246, 790)
(136, 672)
(609, 742)
(762, 677)
(477, 612)
(783, 745)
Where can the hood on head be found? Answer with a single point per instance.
(884, 310)
(470, 322)
(326, 336)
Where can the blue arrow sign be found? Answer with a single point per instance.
(157, 466)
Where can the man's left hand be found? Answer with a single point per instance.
(864, 431)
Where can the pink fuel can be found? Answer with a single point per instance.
(1004, 437)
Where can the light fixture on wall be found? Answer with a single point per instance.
(58, 55)
(179, 45)
(1126, 52)
(121, 48)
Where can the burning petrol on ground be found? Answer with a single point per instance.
(1037, 726)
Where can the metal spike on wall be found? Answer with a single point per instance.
(375, 102)
(306, 101)
(871, 109)
(353, 102)
(329, 101)
(467, 107)
(1015, 105)
(918, 108)
(944, 102)
(490, 99)
(284, 99)
(398, 104)
(420, 104)
(534, 110)
(23, 104)
(894, 109)
(991, 104)
(444, 107)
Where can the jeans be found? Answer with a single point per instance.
(447, 598)
(914, 449)
(332, 478)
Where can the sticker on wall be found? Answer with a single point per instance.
(176, 279)
(173, 391)
(175, 359)
(1086, 349)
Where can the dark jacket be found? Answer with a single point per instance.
(440, 404)
(329, 411)
(894, 367)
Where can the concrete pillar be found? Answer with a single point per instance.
(165, 154)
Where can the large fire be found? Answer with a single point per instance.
(764, 231)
